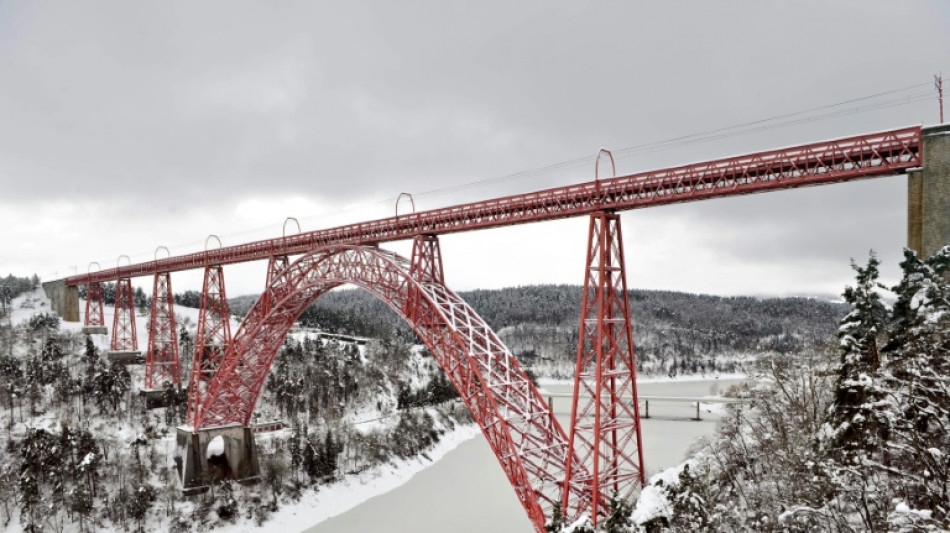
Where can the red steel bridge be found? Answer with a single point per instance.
(579, 468)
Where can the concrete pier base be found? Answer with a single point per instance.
(95, 330)
(198, 469)
(63, 300)
(154, 398)
(126, 357)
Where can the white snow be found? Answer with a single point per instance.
(184, 316)
(28, 304)
(87, 460)
(652, 502)
(904, 516)
(215, 447)
(317, 506)
(582, 522)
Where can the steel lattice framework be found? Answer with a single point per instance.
(94, 312)
(605, 428)
(426, 266)
(124, 336)
(851, 158)
(212, 340)
(520, 428)
(161, 360)
(275, 265)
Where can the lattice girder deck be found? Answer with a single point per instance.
(859, 157)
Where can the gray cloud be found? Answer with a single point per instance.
(163, 108)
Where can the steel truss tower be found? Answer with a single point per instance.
(605, 417)
(161, 360)
(124, 337)
(94, 312)
(211, 340)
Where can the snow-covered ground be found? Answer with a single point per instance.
(337, 498)
(314, 506)
(184, 316)
(652, 502)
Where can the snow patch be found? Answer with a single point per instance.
(329, 501)
(652, 503)
(215, 447)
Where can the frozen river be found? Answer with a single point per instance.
(467, 492)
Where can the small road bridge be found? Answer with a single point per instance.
(644, 401)
(578, 467)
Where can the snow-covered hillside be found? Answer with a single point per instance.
(85, 454)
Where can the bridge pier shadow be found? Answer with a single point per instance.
(197, 468)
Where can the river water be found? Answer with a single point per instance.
(467, 491)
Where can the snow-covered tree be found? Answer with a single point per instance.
(556, 523)
(856, 419)
(109, 384)
(918, 378)
(6, 295)
(138, 504)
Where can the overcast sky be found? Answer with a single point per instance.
(129, 125)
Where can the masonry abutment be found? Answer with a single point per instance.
(928, 194)
(64, 300)
(198, 468)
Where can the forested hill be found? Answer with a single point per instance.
(674, 331)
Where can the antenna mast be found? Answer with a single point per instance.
(938, 84)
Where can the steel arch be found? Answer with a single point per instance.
(514, 418)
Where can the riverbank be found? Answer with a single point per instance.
(467, 492)
(461, 467)
(642, 380)
(328, 501)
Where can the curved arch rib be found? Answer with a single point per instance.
(520, 428)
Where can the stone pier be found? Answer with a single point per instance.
(125, 357)
(64, 300)
(154, 399)
(928, 194)
(198, 468)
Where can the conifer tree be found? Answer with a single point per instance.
(91, 351)
(918, 379)
(855, 416)
(618, 515)
(556, 524)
